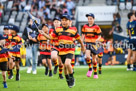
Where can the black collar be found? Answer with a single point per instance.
(92, 25)
(64, 28)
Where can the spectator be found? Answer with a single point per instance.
(115, 2)
(48, 4)
(16, 5)
(50, 24)
(73, 13)
(35, 4)
(1, 6)
(27, 7)
(23, 4)
(41, 4)
(54, 7)
(134, 3)
(118, 28)
(34, 11)
(54, 3)
(59, 12)
(65, 10)
(46, 12)
(60, 3)
(70, 5)
(40, 15)
(31, 47)
(1, 9)
(115, 24)
(118, 17)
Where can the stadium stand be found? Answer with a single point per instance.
(14, 10)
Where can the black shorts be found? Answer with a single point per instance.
(45, 56)
(64, 57)
(17, 59)
(92, 47)
(3, 66)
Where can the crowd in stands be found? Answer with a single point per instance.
(123, 4)
(46, 9)
(1, 10)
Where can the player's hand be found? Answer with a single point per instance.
(30, 37)
(41, 32)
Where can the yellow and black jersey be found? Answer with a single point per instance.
(65, 39)
(91, 33)
(44, 47)
(4, 54)
(15, 45)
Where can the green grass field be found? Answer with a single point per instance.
(114, 78)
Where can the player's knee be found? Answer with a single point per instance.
(53, 58)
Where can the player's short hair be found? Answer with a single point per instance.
(130, 14)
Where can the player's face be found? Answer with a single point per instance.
(133, 17)
(45, 29)
(6, 31)
(56, 23)
(90, 20)
(12, 32)
(65, 22)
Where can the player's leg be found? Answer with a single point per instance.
(100, 55)
(17, 68)
(45, 65)
(4, 79)
(88, 61)
(73, 63)
(10, 68)
(54, 58)
(4, 69)
(69, 70)
(100, 65)
(8, 71)
(66, 72)
(60, 68)
(94, 65)
(50, 67)
(129, 59)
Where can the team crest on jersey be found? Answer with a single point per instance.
(132, 26)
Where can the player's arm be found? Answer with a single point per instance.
(129, 33)
(82, 45)
(46, 35)
(83, 34)
(98, 31)
(77, 37)
(99, 37)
